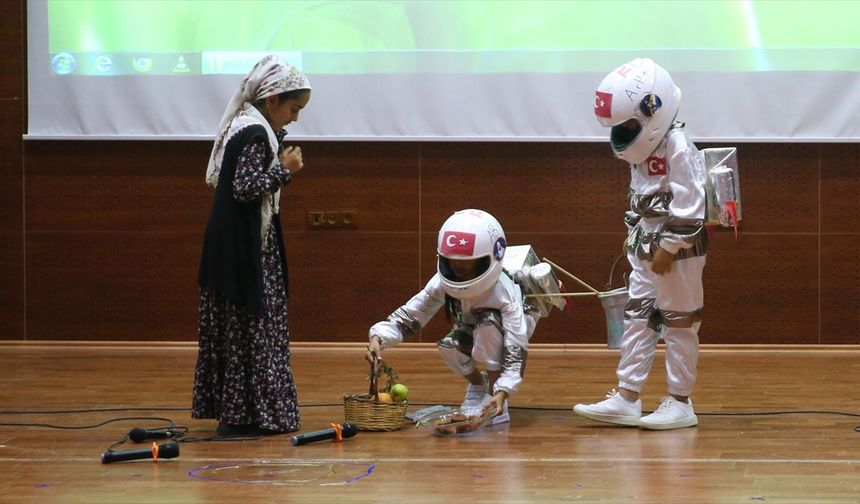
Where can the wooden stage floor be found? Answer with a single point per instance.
(546, 453)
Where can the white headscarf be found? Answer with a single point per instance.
(270, 76)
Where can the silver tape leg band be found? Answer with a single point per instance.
(489, 317)
(450, 350)
(644, 308)
(680, 319)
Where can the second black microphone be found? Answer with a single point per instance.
(336, 432)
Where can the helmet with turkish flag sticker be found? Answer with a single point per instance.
(470, 249)
(639, 101)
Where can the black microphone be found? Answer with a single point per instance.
(337, 432)
(139, 435)
(167, 450)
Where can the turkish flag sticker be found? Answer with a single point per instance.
(457, 243)
(656, 165)
(603, 104)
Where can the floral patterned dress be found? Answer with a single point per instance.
(243, 374)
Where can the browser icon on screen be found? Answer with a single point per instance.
(103, 64)
(142, 65)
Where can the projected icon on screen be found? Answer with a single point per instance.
(141, 64)
(180, 66)
(63, 64)
(103, 63)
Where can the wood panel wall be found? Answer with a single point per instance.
(100, 240)
(12, 298)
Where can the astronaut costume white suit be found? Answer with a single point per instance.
(667, 211)
(639, 101)
(490, 326)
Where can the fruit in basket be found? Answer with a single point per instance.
(385, 397)
(399, 392)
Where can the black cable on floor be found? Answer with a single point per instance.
(183, 438)
(81, 427)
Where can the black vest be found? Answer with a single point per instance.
(231, 262)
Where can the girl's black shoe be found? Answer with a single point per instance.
(231, 430)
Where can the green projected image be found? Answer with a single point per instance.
(173, 37)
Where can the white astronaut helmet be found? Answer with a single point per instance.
(642, 92)
(470, 234)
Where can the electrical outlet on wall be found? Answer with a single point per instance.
(332, 219)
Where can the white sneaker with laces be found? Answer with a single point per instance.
(671, 414)
(503, 417)
(476, 398)
(614, 409)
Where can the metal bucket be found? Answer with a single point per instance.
(613, 302)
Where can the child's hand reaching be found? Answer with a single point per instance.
(497, 403)
(374, 350)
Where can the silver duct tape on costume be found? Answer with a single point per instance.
(691, 231)
(456, 348)
(489, 316)
(409, 325)
(680, 319)
(514, 358)
(642, 308)
(646, 232)
(650, 205)
(646, 309)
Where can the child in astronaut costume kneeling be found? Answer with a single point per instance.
(491, 324)
(666, 245)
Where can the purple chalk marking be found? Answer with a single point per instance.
(199, 473)
(370, 469)
(43, 485)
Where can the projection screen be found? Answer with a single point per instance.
(470, 70)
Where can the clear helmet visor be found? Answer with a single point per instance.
(452, 274)
(625, 134)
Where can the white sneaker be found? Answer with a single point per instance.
(671, 414)
(503, 417)
(476, 398)
(614, 409)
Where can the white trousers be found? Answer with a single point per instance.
(675, 299)
(487, 346)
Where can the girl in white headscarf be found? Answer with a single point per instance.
(243, 375)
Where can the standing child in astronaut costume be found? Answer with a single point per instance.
(491, 326)
(666, 244)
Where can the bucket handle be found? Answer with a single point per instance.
(622, 255)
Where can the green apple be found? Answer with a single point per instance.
(399, 392)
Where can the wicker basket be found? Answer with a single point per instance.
(367, 412)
